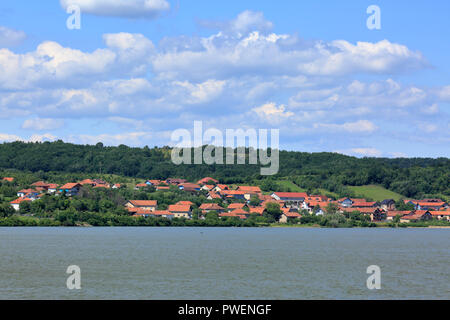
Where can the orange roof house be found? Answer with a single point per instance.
(8, 179)
(143, 204)
(206, 180)
(257, 210)
(249, 189)
(233, 206)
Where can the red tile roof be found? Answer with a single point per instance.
(249, 189)
(144, 203)
(291, 194)
(206, 180)
(236, 206)
(394, 213)
(70, 185)
(20, 200)
(257, 210)
(179, 208)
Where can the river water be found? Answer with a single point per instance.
(224, 263)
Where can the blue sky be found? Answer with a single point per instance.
(138, 70)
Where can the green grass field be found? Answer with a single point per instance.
(377, 193)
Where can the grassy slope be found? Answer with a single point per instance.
(377, 193)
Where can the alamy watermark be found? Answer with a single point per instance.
(374, 20)
(73, 22)
(74, 280)
(236, 142)
(374, 280)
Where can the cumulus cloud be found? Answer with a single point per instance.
(271, 112)
(4, 137)
(10, 37)
(148, 9)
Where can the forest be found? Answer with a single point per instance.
(333, 172)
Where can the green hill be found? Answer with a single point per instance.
(377, 193)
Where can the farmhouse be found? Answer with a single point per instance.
(180, 211)
(418, 215)
(70, 189)
(150, 205)
(290, 198)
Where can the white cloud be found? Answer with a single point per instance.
(10, 37)
(359, 126)
(148, 9)
(42, 124)
(367, 152)
(5, 137)
(248, 21)
(271, 112)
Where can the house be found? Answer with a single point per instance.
(241, 212)
(257, 210)
(140, 185)
(150, 205)
(208, 207)
(387, 204)
(289, 216)
(249, 191)
(207, 180)
(52, 188)
(441, 215)
(290, 198)
(310, 205)
(213, 195)
(70, 189)
(391, 214)
(8, 179)
(24, 192)
(116, 186)
(162, 214)
(207, 187)
(233, 206)
(426, 204)
(175, 181)
(345, 202)
(232, 215)
(376, 214)
(180, 211)
(189, 187)
(417, 215)
(87, 182)
(221, 187)
(318, 198)
(233, 194)
(16, 203)
(362, 203)
(162, 188)
(153, 182)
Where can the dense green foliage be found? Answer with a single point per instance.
(412, 177)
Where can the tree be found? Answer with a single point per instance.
(331, 208)
(273, 210)
(254, 201)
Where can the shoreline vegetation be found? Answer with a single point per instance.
(38, 187)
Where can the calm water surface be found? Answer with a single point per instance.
(224, 263)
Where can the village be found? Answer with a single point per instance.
(241, 202)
